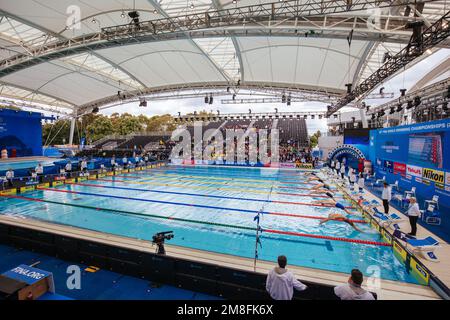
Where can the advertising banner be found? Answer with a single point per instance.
(399, 168)
(433, 175)
(414, 171)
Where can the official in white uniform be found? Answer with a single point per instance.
(280, 283)
(413, 215)
(386, 197)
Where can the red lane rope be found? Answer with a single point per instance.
(310, 217)
(290, 233)
(310, 204)
(360, 241)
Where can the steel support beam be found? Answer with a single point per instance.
(290, 18)
(429, 38)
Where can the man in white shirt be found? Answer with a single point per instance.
(280, 283)
(342, 171)
(413, 215)
(10, 176)
(386, 197)
(68, 167)
(352, 289)
(361, 182)
(39, 169)
(338, 167)
(83, 165)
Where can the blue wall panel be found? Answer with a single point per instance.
(22, 131)
(416, 155)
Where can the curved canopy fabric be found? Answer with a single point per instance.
(323, 63)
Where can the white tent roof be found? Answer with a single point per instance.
(323, 63)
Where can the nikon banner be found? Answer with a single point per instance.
(304, 166)
(433, 175)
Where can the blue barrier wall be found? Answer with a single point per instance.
(22, 131)
(416, 155)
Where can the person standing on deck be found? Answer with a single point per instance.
(413, 215)
(386, 197)
(338, 167)
(280, 283)
(342, 170)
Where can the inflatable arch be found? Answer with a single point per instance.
(347, 151)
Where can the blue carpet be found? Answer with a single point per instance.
(101, 285)
(442, 231)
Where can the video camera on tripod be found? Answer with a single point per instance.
(159, 239)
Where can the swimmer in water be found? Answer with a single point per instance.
(341, 218)
(320, 188)
(331, 201)
(314, 178)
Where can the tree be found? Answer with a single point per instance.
(314, 139)
(99, 128)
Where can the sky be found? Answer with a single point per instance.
(402, 80)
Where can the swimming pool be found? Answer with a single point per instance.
(213, 208)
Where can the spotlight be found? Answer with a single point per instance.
(228, 89)
(349, 88)
(95, 110)
(134, 15)
(402, 92)
(417, 101)
(392, 111)
(93, 20)
(211, 99)
(445, 106)
(276, 110)
(289, 100)
(386, 57)
(142, 102)
(234, 96)
(234, 1)
(409, 104)
(122, 15)
(399, 107)
(191, 6)
(381, 90)
(283, 98)
(312, 117)
(249, 111)
(206, 99)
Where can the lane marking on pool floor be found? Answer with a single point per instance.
(291, 233)
(179, 203)
(212, 196)
(223, 185)
(186, 176)
(227, 177)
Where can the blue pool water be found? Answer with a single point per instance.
(211, 196)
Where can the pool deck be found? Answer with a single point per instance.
(389, 290)
(442, 268)
(25, 159)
